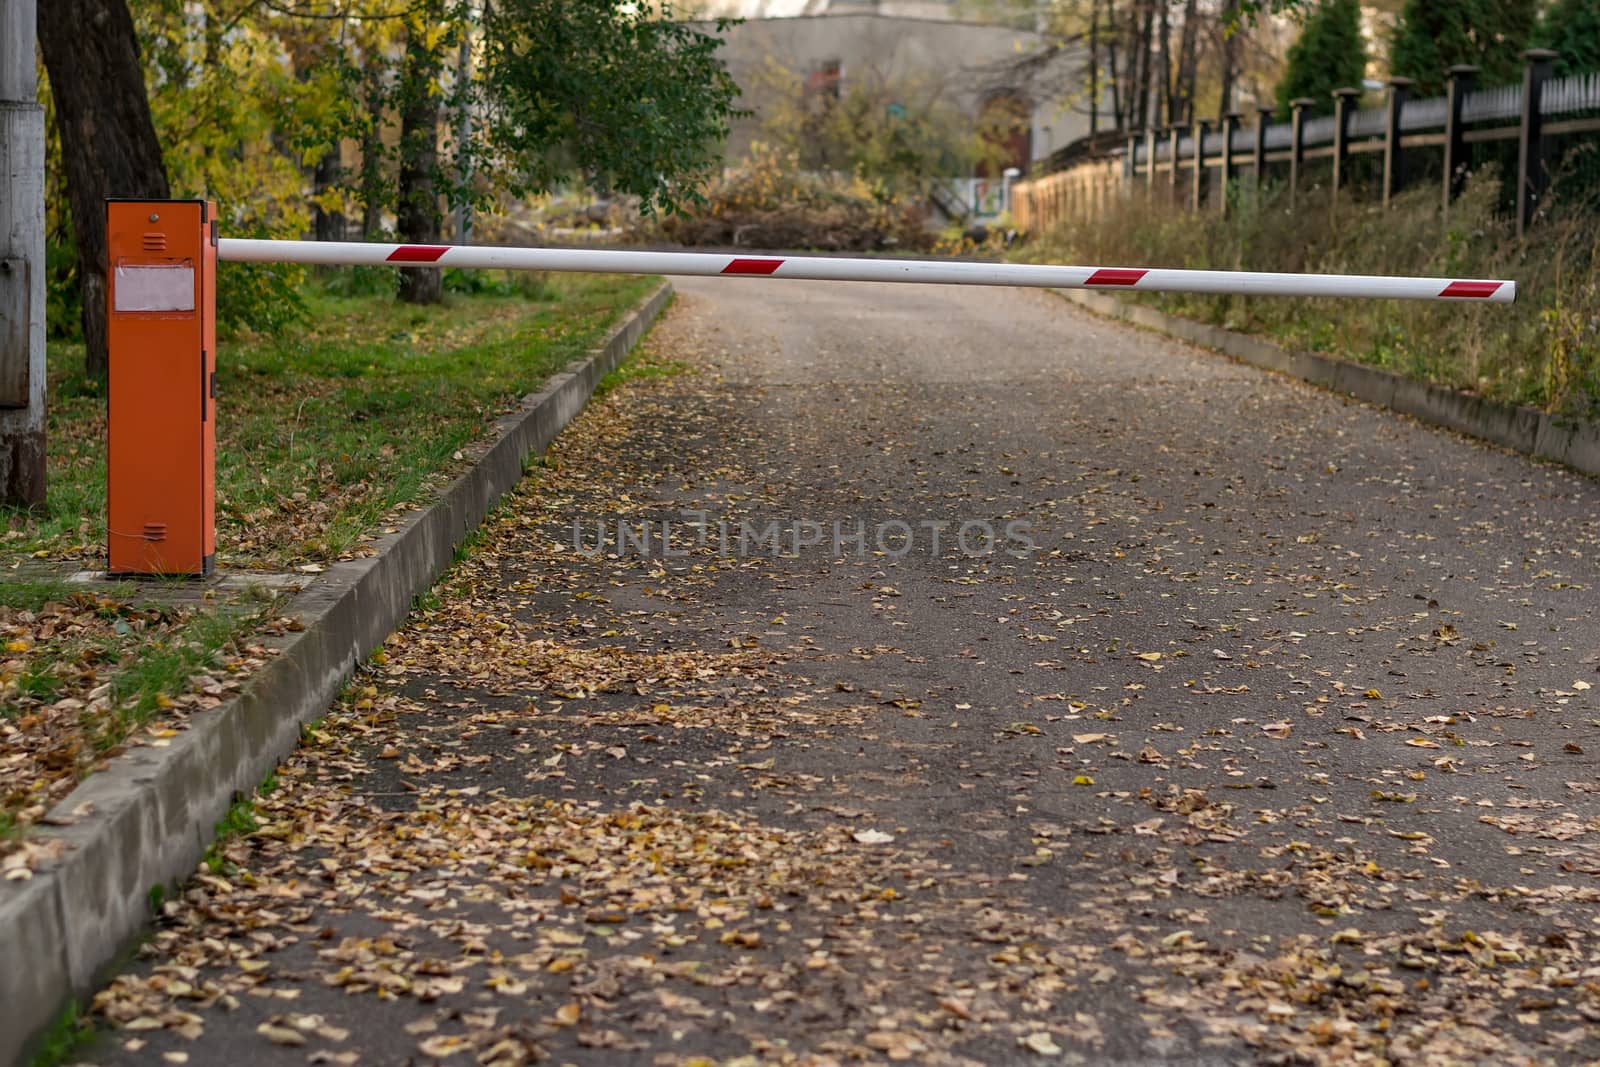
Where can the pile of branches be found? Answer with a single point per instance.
(768, 202)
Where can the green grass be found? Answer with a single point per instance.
(239, 821)
(643, 364)
(325, 430)
(65, 1038)
(33, 594)
(162, 668)
(147, 662)
(141, 657)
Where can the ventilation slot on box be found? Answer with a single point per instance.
(155, 242)
(155, 531)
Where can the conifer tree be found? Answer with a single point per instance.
(1329, 54)
(1433, 35)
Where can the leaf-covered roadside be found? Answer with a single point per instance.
(83, 670)
(324, 439)
(624, 809)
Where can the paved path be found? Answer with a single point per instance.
(1280, 745)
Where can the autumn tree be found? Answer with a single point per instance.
(1433, 35)
(616, 94)
(1151, 63)
(894, 132)
(1330, 53)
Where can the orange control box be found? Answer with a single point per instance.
(161, 463)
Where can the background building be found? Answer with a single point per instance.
(827, 43)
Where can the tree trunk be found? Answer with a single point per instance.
(1188, 60)
(1130, 99)
(1111, 76)
(327, 225)
(417, 213)
(371, 184)
(108, 141)
(462, 221)
(1166, 65)
(1094, 67)
(1230, 58)
(1146, 65)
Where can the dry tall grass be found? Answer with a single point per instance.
(1544, 350)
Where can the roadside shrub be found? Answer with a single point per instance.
(528, 284)
(359, 281)
(259, 297)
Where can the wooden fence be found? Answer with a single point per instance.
(1196, 165)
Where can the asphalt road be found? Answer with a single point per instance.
(1228, 722)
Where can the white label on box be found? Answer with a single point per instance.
(163, 287)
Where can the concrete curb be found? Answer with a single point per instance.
(151, 813)
(1575, 442)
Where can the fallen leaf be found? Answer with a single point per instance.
(281, 1035)
(1042, 1043)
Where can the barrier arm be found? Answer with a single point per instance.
(824, 268)
(162, 258)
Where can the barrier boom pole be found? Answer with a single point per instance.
(822, 268)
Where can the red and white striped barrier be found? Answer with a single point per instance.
(819, 268)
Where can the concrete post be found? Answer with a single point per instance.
(1463, 80)
(1150, 163)
(1173, 133)
(1263, 120)
(1230, 126)
(1533, 169)
(1344, 101)
(1394, 159)
(1201, 128)
(1297, 150)
(22, 295)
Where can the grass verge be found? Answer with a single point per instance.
(329, 427)
(67, 1036)
(325, 433)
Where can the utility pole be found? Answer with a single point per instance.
(22, 299)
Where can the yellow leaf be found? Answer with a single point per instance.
(1042, 1044)
(443, 1045)
(281, 1035)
